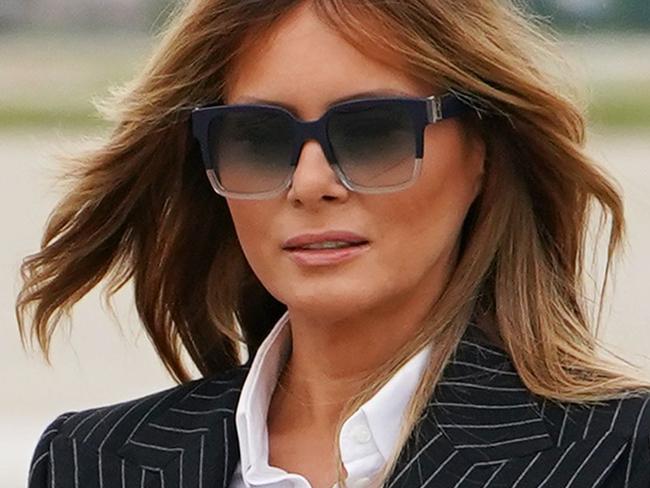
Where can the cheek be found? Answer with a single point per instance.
(421, 233)
(427, 218)
(252, 220)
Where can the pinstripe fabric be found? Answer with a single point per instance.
(482, 428)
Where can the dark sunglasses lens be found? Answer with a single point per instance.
(374, 145)
(251, 149)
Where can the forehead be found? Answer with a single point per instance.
(304, 62)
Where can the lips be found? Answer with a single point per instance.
(301, 240)
(310, 258)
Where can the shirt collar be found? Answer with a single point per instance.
(255, 399)
(380, 411)
(389, 403)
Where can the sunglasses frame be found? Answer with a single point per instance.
(423, 111)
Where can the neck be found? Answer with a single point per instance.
(334, 350)
(331, 356)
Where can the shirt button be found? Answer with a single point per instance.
(361, 483)
(361, 434)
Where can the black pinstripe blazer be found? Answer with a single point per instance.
(482, 428)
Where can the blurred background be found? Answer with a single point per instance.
(56, 56)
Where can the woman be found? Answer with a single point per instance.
(394, 213)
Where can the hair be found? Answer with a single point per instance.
(134, 202)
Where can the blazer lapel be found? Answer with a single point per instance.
(482, 406)
(192, 442)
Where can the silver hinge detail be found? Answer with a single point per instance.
(434, 108)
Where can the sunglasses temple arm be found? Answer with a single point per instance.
(445, 107)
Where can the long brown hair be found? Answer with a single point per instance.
(141, 208)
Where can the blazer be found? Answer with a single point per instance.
(481, 428)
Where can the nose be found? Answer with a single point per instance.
(314, 178)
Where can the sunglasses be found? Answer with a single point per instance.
(374, 145)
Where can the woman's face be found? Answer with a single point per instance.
(413, 233)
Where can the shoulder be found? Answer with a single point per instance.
(623, 423)
(627, 416)
(614, 432)
(94, 428)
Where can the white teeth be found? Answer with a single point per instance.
(327, 245)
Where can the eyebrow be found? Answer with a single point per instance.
(347, 98)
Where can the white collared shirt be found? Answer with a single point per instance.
(368, 436)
